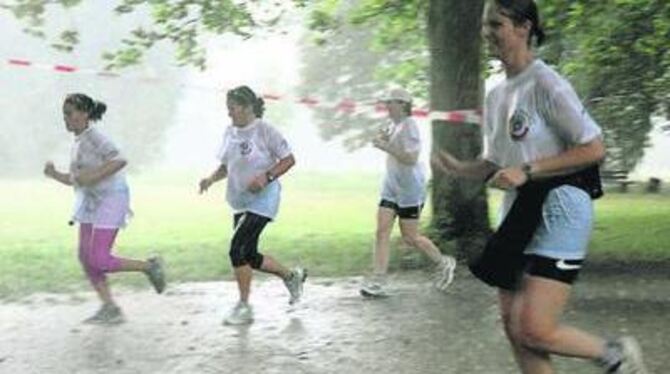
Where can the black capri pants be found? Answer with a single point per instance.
(244, 244)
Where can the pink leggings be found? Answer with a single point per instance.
(95, 247)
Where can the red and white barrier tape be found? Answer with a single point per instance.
(346, 105)
(60, 68)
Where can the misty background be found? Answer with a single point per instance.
(170, 118)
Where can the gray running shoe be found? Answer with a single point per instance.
(445, 272)
(156, 273)
(294, 284)
(242, 314)
(108, 314)
(631, 360)
(374, 287)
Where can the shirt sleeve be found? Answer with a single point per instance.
(564, 112)
(277, 144)
(105, 148)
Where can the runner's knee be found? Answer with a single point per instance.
(236, 255)
(535, 335)
(102, 263)
(383, 232)
(411, 240)
(255, 260)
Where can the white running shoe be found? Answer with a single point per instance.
(108, 314)
(294, 284)
(445, 272)
(241, 314)
(631, 361)
(374, 287)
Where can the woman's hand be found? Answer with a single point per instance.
(384, 134)
(205, 183)
(49, 169)
(258, 183)
(51, 172)
(508, 178)
(380, 143)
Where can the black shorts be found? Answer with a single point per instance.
(244, 243)
(565, 271)
(410, 212)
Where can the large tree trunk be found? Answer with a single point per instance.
(460, 210)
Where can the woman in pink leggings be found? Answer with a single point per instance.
(102, 203)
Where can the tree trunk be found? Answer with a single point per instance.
(460, 210)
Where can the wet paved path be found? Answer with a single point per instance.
(417, 330)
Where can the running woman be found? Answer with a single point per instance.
(537, 133)
(403, 195)
(253, 156)
(102, 201)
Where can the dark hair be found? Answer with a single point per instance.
(244, 96)
(84, 103)
(520, 11)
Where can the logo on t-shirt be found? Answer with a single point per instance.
(245, 148)
(518, 124)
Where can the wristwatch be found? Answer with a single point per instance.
(270, 177)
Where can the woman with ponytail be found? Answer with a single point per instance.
(252, 157)
(102, 203)
(542, 148)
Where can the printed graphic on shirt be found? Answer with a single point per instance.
(245, 147)
(518, 124)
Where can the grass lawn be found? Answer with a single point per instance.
(326, 222)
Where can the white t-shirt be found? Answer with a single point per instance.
(107, 202)
(248, 152)
(533, 115)
(404, 184)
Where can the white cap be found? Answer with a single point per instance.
(399, 94)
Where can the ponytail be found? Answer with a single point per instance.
(99, 108)
(84, 103)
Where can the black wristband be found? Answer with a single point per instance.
(526, 169)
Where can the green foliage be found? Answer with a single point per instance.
(616, 55)
(358, 49)
(398, 30)
(68, 38)
(322, 16)
(32, 12)
(183, 23)
(614, 52)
